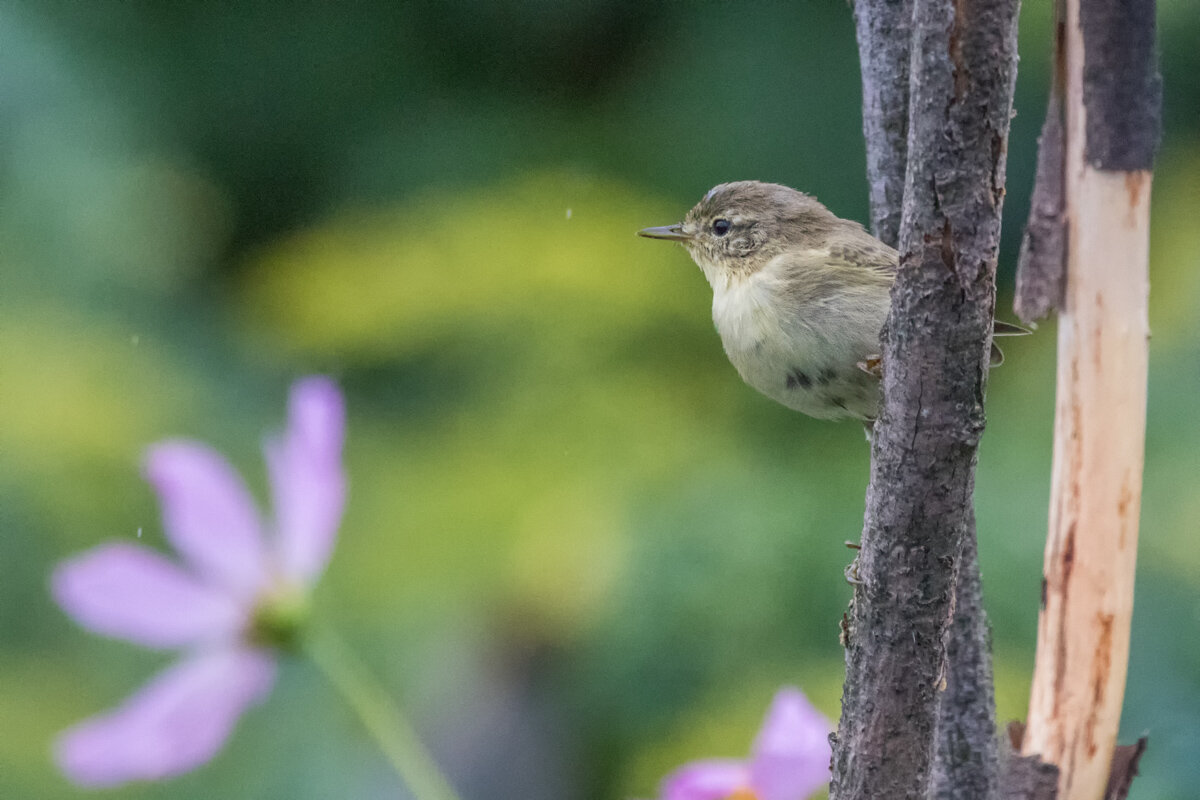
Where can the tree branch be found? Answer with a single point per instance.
(965, 754)
(935, 358)
(966, 762)
(882, 28)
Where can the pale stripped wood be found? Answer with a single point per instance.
(1091, 551)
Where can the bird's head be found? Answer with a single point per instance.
(738, 227)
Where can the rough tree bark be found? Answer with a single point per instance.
(965, 756)
(935, 351)
(883, 31)
(966, 763)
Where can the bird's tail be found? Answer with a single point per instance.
(1000, 328)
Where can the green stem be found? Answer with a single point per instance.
(380, 715)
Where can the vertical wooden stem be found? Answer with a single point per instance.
(1083, 629)
(884, 32)
(935, 357)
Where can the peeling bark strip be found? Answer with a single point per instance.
(1042, 265)
(1025, 777)
(1124, 769)
(1091, 549)
(935, 359)
(883, 48)
(1122, 90)
(1029, 778)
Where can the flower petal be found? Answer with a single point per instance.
(307, 482)
(175, 723)
(133, 593)
(792, 752)
(208, 514)
(706, 780)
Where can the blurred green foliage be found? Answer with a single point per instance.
(577, 547)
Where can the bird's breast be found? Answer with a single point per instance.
(776, 351)
(744, 313)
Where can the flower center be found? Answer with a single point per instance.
(279, 618)
(745, 793)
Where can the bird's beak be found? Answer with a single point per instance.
(672, 232)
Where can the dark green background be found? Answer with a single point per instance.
(577, 547)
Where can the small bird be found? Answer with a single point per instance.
(799, 295)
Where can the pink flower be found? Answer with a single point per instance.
(235, 596)
(790, 759)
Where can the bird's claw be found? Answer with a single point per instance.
(872, 365)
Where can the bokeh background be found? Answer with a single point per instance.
(578, 549)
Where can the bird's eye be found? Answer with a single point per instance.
(721, 227)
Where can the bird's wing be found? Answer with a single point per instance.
(861, 249)
(856, 263)
(839, 298)
(837, 279)
(878, 264)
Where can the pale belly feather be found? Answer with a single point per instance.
(785, 359)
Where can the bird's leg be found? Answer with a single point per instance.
(872, 365)
(851, 571)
